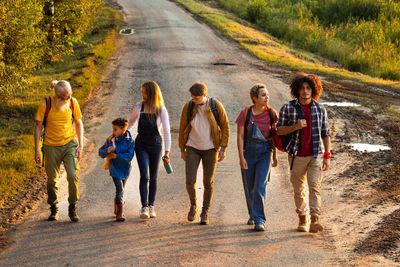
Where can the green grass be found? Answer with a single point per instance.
(83, 69)
(273, 51)
(361, 35)
(17, 167)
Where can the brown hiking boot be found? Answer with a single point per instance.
(120, 213)
(53, 213)
(192, 213)
(315, 224)
(204, 218)
(302, 223)
(72, 213)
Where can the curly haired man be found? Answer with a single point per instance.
(307, 122)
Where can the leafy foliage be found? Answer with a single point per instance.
(29, 37)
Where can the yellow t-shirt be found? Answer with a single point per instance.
(59, 128)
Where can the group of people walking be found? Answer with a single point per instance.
(203, 136)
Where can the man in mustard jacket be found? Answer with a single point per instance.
(203, 135)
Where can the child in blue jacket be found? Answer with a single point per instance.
(119, 151)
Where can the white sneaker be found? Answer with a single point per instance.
(152, 212)
(144, 213)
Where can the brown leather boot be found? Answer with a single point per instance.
(120, 213)
(302, 223)
(315, 224)
(72, 213)
(53, 213)
(115, 206)
(192, 213)
(204, 217)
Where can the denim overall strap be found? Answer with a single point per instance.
(255, 178)
(148, 131)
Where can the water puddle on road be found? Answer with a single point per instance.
(224, 64)
(340, 104)
(127, 31)
(368, 147)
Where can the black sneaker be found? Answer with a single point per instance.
(250, 222)
(53, 213)
(72, 213)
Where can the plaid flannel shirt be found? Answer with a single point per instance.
(319, 126)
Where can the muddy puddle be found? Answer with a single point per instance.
(127, 31)
(368, 147)
(341, 104)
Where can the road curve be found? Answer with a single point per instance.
(172, 48)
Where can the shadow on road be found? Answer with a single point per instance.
(104, 241)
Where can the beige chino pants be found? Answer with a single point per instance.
(306, 170)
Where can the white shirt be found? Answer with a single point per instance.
(200, 134)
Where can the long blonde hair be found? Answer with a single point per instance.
(155, 100)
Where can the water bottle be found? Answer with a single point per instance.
(167, 166)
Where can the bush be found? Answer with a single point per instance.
(334, 12)
(254, 9)
(361, 35)
(21, 43)
(27, 39)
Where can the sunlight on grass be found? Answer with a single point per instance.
(271, 50)
(17, 166)
(84, 69)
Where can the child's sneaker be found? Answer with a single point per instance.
(152, 212)
(144, 213)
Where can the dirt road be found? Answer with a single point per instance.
(172, 48)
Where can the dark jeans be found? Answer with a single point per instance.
(148, 158)
(119, 189)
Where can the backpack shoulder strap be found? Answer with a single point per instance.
(300, 116)
(48, 107)
(71, 106)
(247, 118)
(246, 122)
(298, 108)
(190, 111)
(214, 109)
(271, 119)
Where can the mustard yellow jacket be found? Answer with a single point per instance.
(220, 136)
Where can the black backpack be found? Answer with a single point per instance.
(214, 110)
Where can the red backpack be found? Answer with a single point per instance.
(282, 141)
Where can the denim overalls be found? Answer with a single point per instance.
(258, 157)
(148, 145)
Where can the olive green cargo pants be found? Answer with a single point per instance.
(53, 157)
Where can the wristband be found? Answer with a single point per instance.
(327, 155)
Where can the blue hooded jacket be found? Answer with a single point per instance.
(124, 148)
